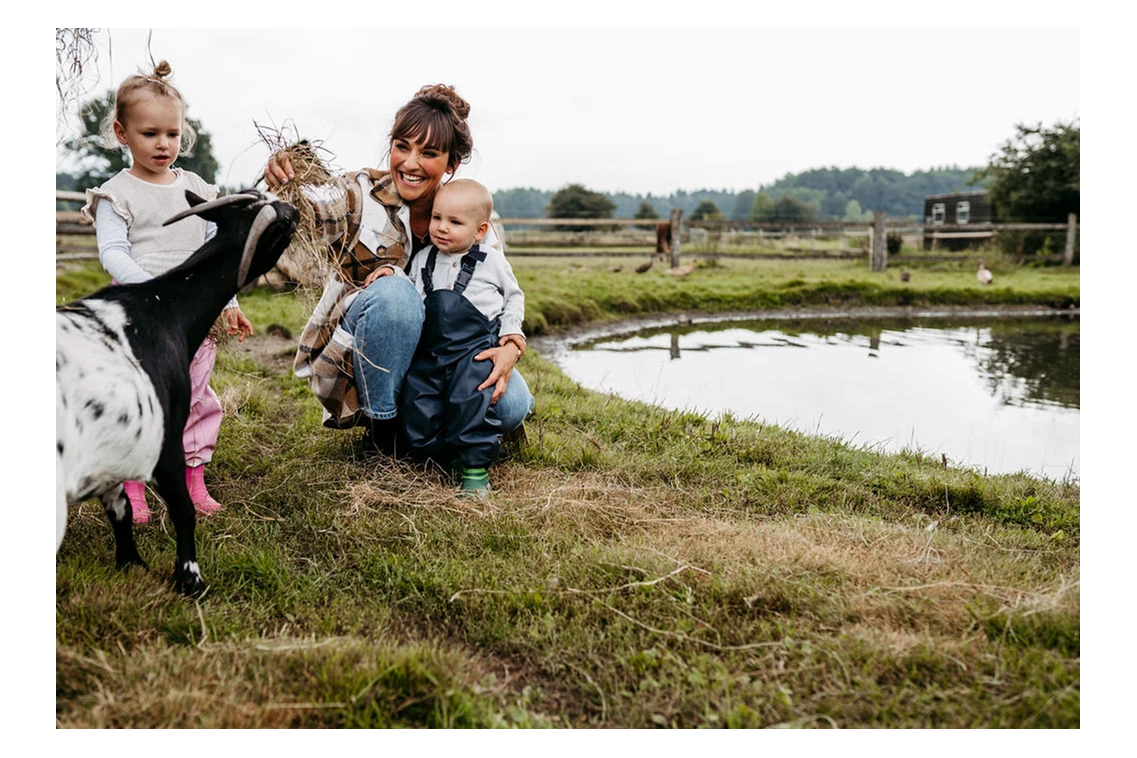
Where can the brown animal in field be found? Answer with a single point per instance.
(663, 237)
(644, 266)
(905, 276)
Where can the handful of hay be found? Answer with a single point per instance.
(305, 260)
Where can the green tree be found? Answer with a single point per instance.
(1035, 175)
(854, 214)
(743, 203)
(1034, 178)
(521, 202)
(706, 210)
(574, 201)
(646, 211)
(763, 208)
(789, 208)
(100, 163)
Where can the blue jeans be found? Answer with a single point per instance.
(386, 322)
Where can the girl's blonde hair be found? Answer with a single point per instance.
(153, 84)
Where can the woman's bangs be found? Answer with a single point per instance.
(431, 129)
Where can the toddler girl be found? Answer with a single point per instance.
(128, 211)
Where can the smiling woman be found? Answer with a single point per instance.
(359, 341)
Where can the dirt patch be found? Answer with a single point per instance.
(273, 347)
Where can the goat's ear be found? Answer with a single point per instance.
(193, 198)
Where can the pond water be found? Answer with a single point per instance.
(998, 394)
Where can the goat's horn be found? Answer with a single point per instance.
(218, 203)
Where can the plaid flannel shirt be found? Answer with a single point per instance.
(357, 218)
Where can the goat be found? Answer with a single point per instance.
(122, 357)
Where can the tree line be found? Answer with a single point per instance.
(1033, 177)
(849, 194)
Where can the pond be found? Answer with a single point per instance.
(996, 393)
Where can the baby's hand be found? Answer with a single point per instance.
(237, 324)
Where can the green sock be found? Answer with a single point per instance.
(475, 479)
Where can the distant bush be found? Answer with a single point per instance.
(893, 243)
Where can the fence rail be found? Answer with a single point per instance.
(800, 237)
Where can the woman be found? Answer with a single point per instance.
(359, 341)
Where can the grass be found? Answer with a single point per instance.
(636, 567)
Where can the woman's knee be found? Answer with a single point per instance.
(515, 403)
(390, 303)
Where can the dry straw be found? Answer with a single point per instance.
(306, 260)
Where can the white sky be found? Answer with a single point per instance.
(635, 110)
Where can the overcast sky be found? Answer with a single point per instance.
(635, 110)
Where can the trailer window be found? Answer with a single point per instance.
(938, 213)
(962, 212)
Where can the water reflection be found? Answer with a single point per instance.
(998, 394)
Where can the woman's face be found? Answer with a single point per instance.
(417, 168)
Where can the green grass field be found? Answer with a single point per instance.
(635, 567)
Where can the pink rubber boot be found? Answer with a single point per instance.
(202, 500)
(136, 494)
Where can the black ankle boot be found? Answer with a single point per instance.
(381, 436)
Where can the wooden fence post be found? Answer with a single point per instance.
(676, 228)
(878, 253)
(1071, 233)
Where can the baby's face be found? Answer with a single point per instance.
(455, 222)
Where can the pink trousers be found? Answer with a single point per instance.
(204, 422)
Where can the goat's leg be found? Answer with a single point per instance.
(170, 481)
(117, 507)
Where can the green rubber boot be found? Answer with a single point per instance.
(475, 483)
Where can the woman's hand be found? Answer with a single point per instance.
(504, 359)
(384, 270)
(278, 170)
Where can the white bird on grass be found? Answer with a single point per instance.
(682, 270)
(983, 275)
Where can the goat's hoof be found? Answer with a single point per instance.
(188, 581)
(193, 587)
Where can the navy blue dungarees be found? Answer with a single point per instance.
(444, 415)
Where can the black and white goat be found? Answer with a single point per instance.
(122, 359)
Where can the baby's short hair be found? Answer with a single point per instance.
(478, 193)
